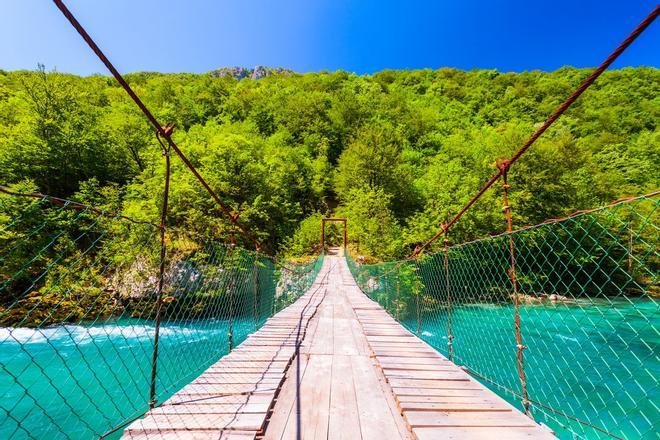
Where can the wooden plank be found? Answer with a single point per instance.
(453, 407)
(480, 433)
(238, 363)
(286, 401)
(240, 378)
(190, 435)
(215, 408)
(361, 344)
(478, 399)
(406, 339)
(343, 341)
(266, 369)
(212, 398)
(446, 374)
(426, 419)
(156, 423)
(227, 388)
(377, 420)
(416, 354)
(344, 419)
(432, 384)
(313, 401)
(435, 366)
(259, 357)
(323, 343)
(462, 391)
(411, 360)
(238, 435)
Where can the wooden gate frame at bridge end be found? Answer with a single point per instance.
(332, 219)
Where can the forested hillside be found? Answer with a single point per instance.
(396, 152)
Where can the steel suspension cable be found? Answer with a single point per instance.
(574, 281)
(164, 131)
(551, 119)
(69, 204)
(77, 280)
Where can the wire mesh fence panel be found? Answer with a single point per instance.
(82, 306)
(587, 289)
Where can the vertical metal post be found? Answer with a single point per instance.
(417, 294)
(274, 305)
(419, 319)
(520, 347)
(630, 247)
(387, 293)
(396, 313)
(450, 335)
(161, 269)
(323, 234)
(345, 237)
(230, 330)
(255, 283)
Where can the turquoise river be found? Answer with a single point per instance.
(596, 363)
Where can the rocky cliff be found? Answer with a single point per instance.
(243, 72)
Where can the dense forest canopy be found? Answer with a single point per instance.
(396, 152)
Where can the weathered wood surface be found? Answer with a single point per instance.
(437, 399)
(334, 389)
(358, 374)
(232, 399)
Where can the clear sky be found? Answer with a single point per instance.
(361, 36)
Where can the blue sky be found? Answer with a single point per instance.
(310, 35)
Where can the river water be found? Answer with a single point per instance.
(79, 382)
(598, 363)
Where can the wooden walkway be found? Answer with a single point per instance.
(334, 365)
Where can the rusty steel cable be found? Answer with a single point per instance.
(584, 286)
(70, 204)
(73, 205)
(164, 131)
(450, 335)
(520, 347)
(161, 276)
(109, 324)
(551, 119)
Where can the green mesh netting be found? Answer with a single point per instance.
(78, 305)
(587, 289)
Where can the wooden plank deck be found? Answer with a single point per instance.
(358, 374)
(437, 399)
(232, 399)
(334, 390)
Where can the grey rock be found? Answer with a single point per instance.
(243, 72)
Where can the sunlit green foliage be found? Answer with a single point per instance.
(397, 152)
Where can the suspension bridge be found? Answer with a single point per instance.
(334, 364)
(118, 328)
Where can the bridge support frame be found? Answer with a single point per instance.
(161, 271)
(332, 219)
(520, 346)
